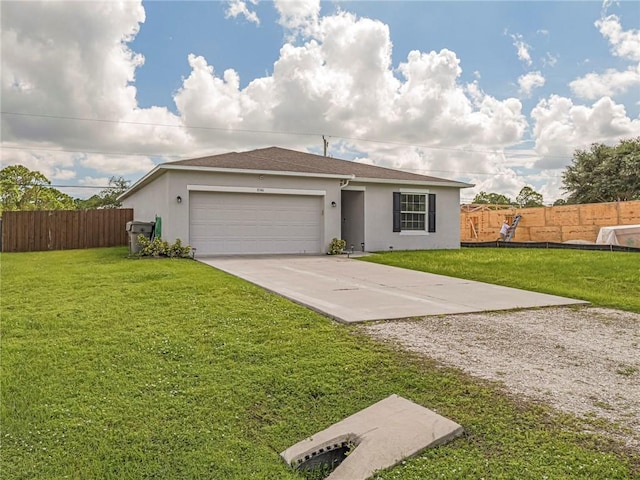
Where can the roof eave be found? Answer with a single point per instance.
(430, 183)
(155, 172)
(245, 171)
(160, 169)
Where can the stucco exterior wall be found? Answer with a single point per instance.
(151, 201)
(160, 198)
(379, 234)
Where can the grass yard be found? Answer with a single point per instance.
(610, 279)
(169, 369)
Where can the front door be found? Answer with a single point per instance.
(353, 219)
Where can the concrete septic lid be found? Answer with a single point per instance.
(379, 436)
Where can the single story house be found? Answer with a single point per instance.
(279, 201)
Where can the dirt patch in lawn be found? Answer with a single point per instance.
(584, 361)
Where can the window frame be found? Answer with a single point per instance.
(419, 216)
(429, 212)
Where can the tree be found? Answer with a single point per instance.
(117, 186)
(528, 197)
(94, 201)
(604, 173)
(24, 189)
(107, 198)
(491, 199)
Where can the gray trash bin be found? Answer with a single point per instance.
(135, 228)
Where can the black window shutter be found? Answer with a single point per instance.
(397, 224)
(432, 212)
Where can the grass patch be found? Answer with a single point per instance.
(627, 370)
(608, 279)
(169, 369)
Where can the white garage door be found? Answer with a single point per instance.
(246, 223)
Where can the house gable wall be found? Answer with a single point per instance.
(379, 235)
(150, 201)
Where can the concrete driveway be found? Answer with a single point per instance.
(349, 290)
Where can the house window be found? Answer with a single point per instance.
(414, 211)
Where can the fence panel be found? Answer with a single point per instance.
(64, 229)
(549, 224)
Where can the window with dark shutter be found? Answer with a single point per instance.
(397, 212)
(413, 209)
(432, 212)
(414, 212)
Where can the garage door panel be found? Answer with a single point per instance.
(242, 223)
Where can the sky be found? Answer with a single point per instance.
(495, 93)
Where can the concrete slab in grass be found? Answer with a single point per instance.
(377, 437)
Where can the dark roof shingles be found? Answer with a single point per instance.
(284, 160)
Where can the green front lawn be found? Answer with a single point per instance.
(610, 279)
(169, 369)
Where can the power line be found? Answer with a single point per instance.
(274, 132)
(98, 152)
(81, 186)
(150, 124)
(48, 185)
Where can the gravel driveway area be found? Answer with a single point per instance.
(584, 361)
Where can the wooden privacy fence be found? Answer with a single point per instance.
(547, 224)
(38, 230)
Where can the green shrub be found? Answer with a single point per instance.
(336, 247)
(160, 248)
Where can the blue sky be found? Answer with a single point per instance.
(498, 94)
(479, 32)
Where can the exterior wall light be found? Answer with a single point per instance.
(179, 199)
(333, 204)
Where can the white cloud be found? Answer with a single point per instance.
(334, 76)
(605, 6)
(530, 81)
(50, 163)
(339, 80)
(521, 158)
(60, 174)
(71, 60)
(239, 7)
(510, 180)
(299, 16)
(505, 181)
(550, 60)
(624, 43)
(117, 165)
(550, 181)
(610, 83)
(522, 48)
(55, 48)
(99, 182)
(561, 127)
(342, 81)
